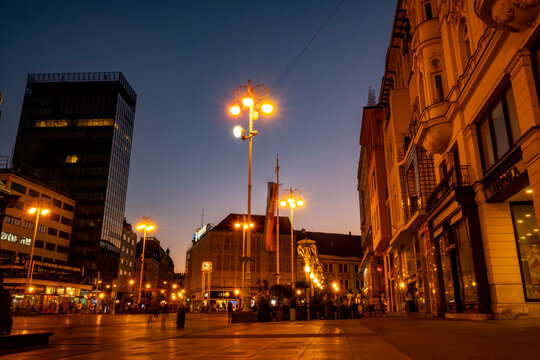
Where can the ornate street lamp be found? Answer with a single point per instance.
(252, 99)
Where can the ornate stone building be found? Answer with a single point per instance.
(462, 153)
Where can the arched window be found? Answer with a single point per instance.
(465, 47)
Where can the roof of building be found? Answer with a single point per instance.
(227, 224)
(333, 244)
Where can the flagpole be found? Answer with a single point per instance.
(277, 219)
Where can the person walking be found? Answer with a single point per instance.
(181, 317)
(230, 309)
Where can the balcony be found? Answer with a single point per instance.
(514, 15)
(457, 177)
(426, 31)
(435, 129)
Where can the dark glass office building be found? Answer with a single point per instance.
(75, 135)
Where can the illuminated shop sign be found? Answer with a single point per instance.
(206, 266)
(200, 233)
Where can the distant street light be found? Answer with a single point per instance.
(145, 225)
(244, 226)
(39, 208)
(253, 99)
(292, 198)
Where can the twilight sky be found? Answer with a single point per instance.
(184, 59)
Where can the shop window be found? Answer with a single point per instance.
(526, 231)
(498, 130)
(465, 266)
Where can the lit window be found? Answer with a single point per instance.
(71, 159)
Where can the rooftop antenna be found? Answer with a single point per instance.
(202, 218)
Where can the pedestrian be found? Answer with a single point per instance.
(350, 303)
(181, 317)
(230, 310)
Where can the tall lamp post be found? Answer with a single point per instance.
(39, 208)
(244, 226)
(252, 99)
(292, 198)
(145, 225)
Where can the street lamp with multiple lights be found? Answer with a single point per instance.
(250, 98)
(38, 208)
(145, 225)
(293, 198)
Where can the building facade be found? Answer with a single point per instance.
(222, 245)
(54, 229)
(339, 257)
(75, 134)
(126, 267)
(462, 146)
(158, 272)
(374, 214)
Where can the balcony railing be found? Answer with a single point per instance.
(457, 177)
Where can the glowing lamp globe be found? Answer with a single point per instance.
(267, 108)
(237, 131)
(234, 109)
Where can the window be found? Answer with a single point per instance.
(41, 228)
(69, 208)
(71, 159)
(50, 246)
(325, 267)
(9, 237)
(439, 91)
(464, 43)
(62, 249)
(340, 268)
(330, 268)
(345, 268)
(46, 198)
(57, 203)
(26, 240)
(52, 231)
(63, 235)
(346, 284)
(67, 221)
(18, 187)
(356, 269)
(526, 231)
(55, 217)
(499, 130)
(12, 220)
(39, 244)
(33, 193)
(428, 11)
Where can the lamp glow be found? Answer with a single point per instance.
(282, 203)
(234, 109)
(300, 202)
(247, 101)
(32, 210)
(237, 131)
(45, 211)
(306, 269)
(267, 108)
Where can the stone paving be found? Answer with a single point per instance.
(210, 337)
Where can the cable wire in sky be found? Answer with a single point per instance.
(297, 59)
